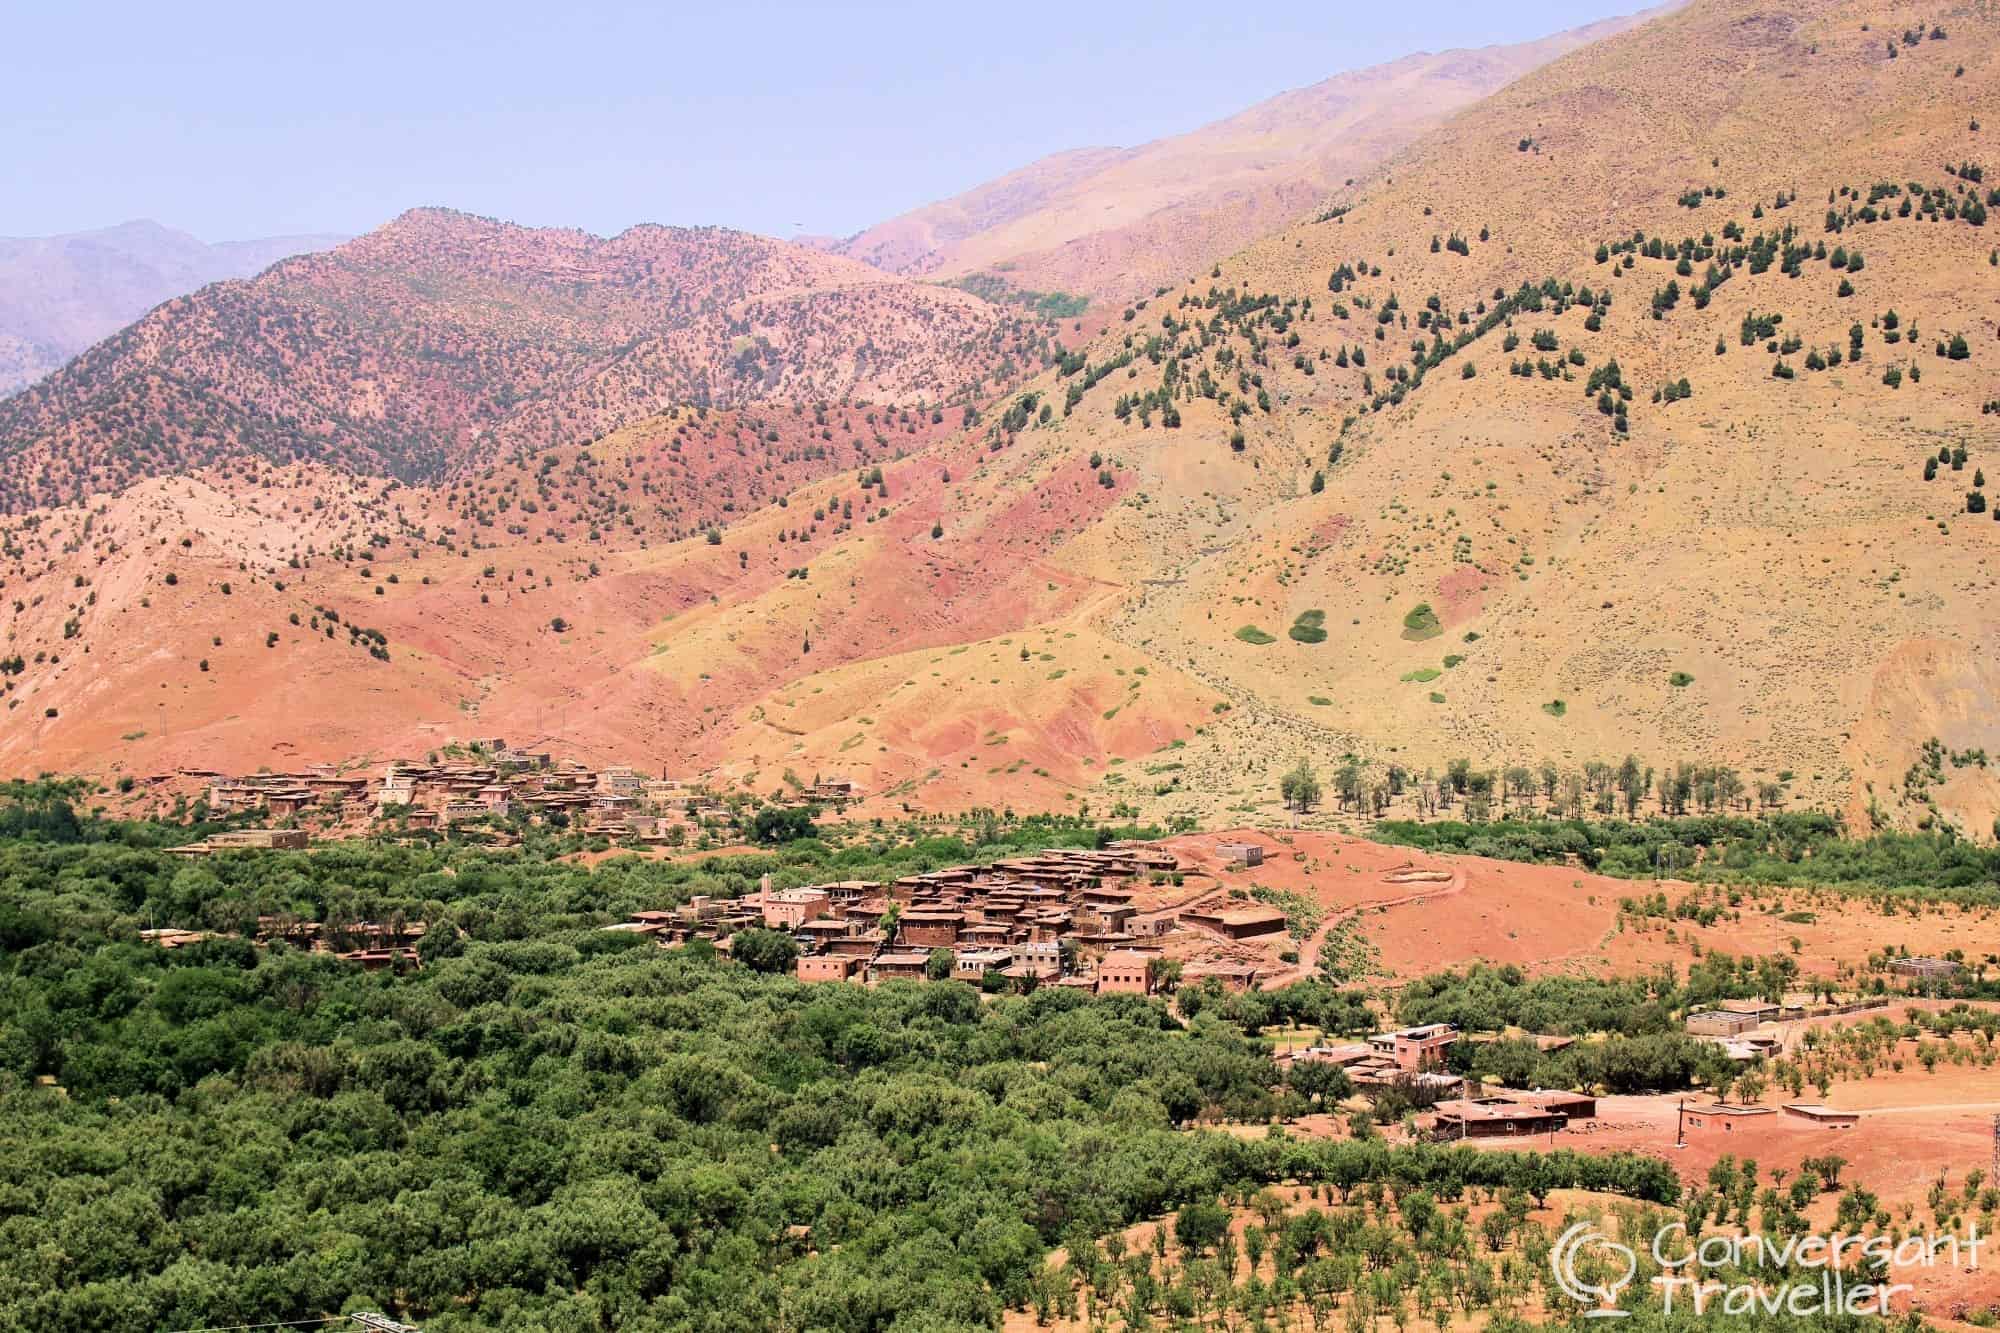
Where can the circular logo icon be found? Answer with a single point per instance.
(1591, 1268)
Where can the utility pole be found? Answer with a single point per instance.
(1680, 1117)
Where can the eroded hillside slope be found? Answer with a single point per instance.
(1607, 419)
(1560, 556)
(442, 340)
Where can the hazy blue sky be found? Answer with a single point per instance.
(244, 120)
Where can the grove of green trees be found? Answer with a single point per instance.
(552, 1127)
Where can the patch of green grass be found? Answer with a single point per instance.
(1555, 708)
(1452, 659)
(1251, 634)
(1421, 623)
(1319, 701)
(1302, 912)
(1436, 698)
(1310, 627)
(998, 291)
(1680, 680)
(1422, 675)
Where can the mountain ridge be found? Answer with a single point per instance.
(1116, 221)
(1309, 394)
(442, 339)
(60, 294)
(1578, 428)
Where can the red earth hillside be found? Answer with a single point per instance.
(443, 339)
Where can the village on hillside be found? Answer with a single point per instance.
(479, 787)
(1132, 917)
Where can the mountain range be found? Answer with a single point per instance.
(60, 294)
(1639, 406)
(1094, 221)
(442, 340)
(1116, 222)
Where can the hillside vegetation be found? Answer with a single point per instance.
(442, 340)
(1642, 409)
(1592, 376)
(552, 1126)
(60, 294)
